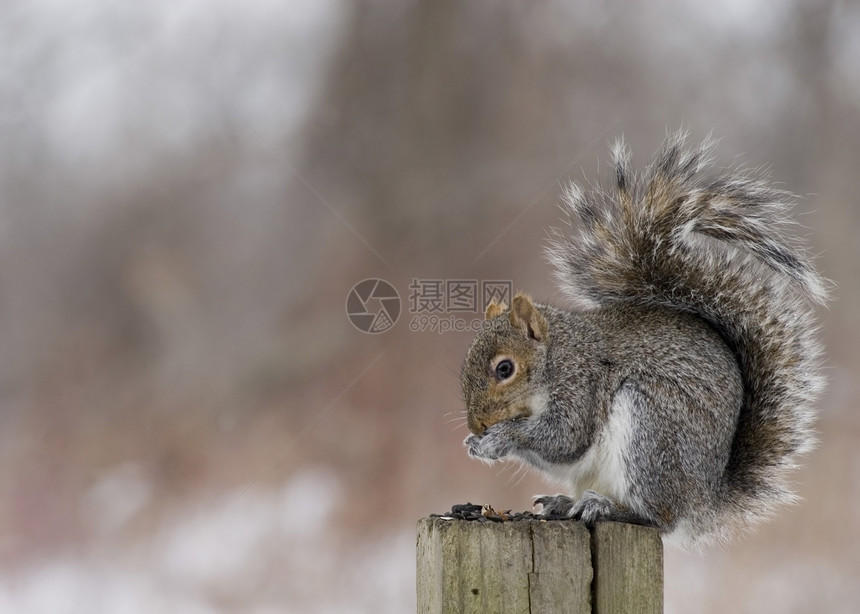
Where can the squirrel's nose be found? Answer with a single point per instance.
(476, 426)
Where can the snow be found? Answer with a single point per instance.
(268, 550)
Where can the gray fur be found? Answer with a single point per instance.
(697, 322)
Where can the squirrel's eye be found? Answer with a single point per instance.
(504, 369)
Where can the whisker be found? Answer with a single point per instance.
(449, 371)
(523, 473)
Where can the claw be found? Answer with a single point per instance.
(592, 507)
(472, 442)
(554, 505)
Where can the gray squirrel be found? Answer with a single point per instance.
(681, 393)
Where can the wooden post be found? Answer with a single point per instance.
(628, 569)
(531, 566)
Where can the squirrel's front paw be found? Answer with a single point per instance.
(492, 445)
(479, 448)
(473, 443)
(555, 505)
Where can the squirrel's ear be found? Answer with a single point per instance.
(494, 309)
(526, 317)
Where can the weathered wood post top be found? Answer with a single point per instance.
(538, 566)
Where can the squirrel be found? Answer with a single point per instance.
(681, 393)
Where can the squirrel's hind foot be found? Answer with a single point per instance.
(593, 506)
(557, 506)
(590, 508)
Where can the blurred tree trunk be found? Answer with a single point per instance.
(430, 109)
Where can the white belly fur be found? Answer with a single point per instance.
(602, 468)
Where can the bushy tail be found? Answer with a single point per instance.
(717, 248)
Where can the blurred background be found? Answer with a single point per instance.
(188, 190)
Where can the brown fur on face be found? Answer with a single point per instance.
(516, 335)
